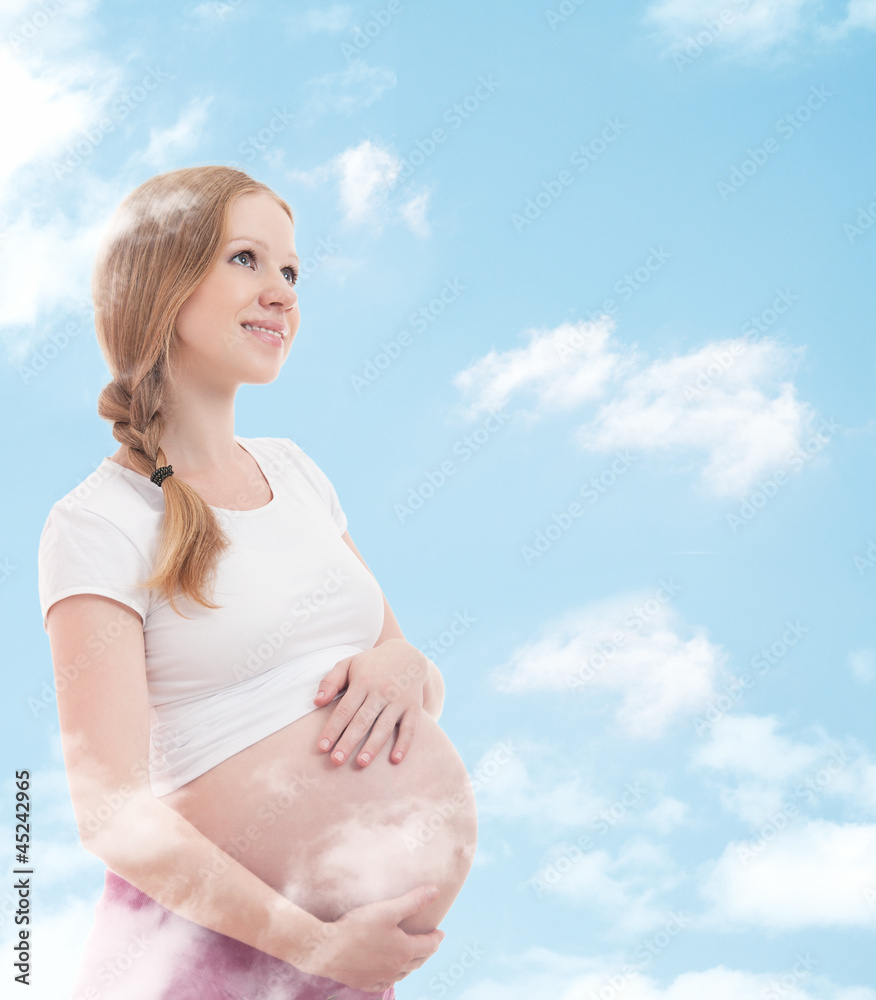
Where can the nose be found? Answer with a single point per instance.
(278, 294)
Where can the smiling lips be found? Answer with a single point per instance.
(267, 329)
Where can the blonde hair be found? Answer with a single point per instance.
(161, 242)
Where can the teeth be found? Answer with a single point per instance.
(250, 326)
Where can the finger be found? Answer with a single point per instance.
(426, 945)
(412, 902)
(407, 728)
(383, 729)
(359, 725)
(335, 680)
(340, 718)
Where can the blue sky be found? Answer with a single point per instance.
(608, 266)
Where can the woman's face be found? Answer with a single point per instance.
(250, 285)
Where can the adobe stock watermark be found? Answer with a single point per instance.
(769, 487)
(863, 222)
(461, 622)
(867, 560)
(259, 141)
(761, 322)
(439, 816)
(566, 856)
(58, 340)
(808, 790)
(563, 11)
(786, 127)
(645, 952)
(6, 570)
(581, 158)
(464, 449)
(67, 673)
(303, 610)
(456, 115)
(80, 149)
(31, 26)
(595, 488)
(120, 964)
(631, 282)
(734, 692)
(112, 801)
(750, 332)
(468, 958)
(630, 623)
(786, 984)
(418, 322)
(362, 37)
(713, 28)
(268, 813)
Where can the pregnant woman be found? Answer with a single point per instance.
(251, 744)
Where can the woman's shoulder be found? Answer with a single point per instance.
(117, 495)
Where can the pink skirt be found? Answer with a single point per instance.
(139, 950)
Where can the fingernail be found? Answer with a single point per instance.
(319, 694)
(324, 744)
(365, 757)
(432, 893)
(338, 755)
(398, 755)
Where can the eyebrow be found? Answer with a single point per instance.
(264, 246)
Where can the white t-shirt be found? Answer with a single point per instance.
(295, 600)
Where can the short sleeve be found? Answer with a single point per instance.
(81, 552)
(323, 486)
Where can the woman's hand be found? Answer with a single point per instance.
(366, 949)
(385, 685)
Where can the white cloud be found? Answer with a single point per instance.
(541, 972)
(862, 663)
(345, 91)
(628, 885)
(659, 673)
(752, 26)
(512, 794)
(861, 14)
(183, 135)
(43, 28)
(755, 26)
(812, 874)
(414, 211)
(749, 745)
(62, 92)
(28, 292)
(366, 176)
(217, 11)
(366, 173)
(55, 105)
(776, 776)
(563, 368)
(61, 931)
(730, 400)
(330, 19)
(666, 815)
(747, 420)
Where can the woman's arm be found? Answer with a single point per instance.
(103, 709)
(104, 712)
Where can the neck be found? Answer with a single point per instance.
(198, 436)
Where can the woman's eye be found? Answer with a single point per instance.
(243, 253)
(291, 273)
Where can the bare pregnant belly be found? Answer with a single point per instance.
(331, 837)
